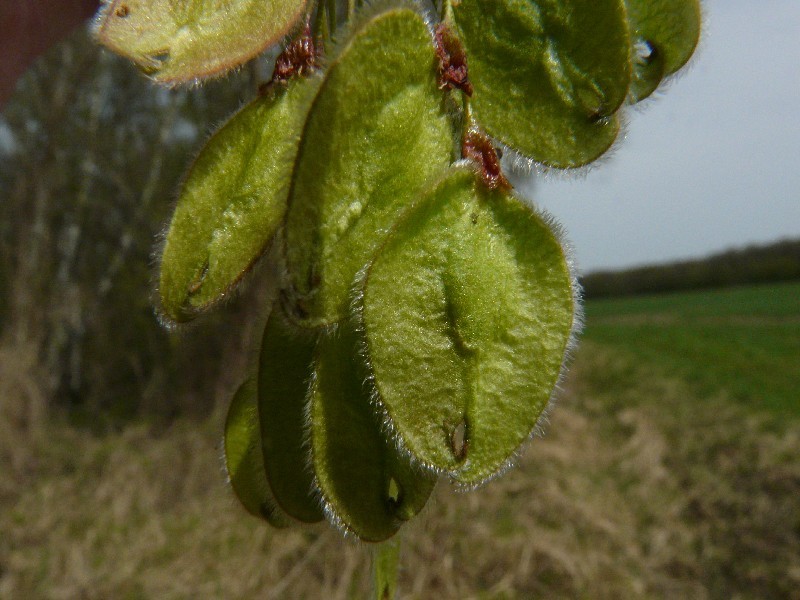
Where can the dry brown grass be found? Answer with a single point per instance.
(22, 416)
(639, 490)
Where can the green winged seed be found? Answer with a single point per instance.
(285, 369)
(176, 41)
(467, 312)
(243, 457)
(233, 200)
(369, 488)
(665, 34)
(378, 129)
(549, 75)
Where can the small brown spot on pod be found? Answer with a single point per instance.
(458, 438)
(197, 283)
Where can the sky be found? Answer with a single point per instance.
(712, 163)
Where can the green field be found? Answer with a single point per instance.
(744, 342)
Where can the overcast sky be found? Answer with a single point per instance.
(712, 163)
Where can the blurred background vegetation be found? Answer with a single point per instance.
(671, 467)
(92, 154)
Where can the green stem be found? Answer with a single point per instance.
(333, 22)
(319, 25)
(385, 566)
(446, 14)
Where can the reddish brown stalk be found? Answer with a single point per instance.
(453, 71)
(476, 146)
(298, 58)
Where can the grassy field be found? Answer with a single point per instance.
(658, 478)
(743, 341)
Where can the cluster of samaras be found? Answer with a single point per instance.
(426, 310)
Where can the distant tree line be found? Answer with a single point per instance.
(775, 262)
